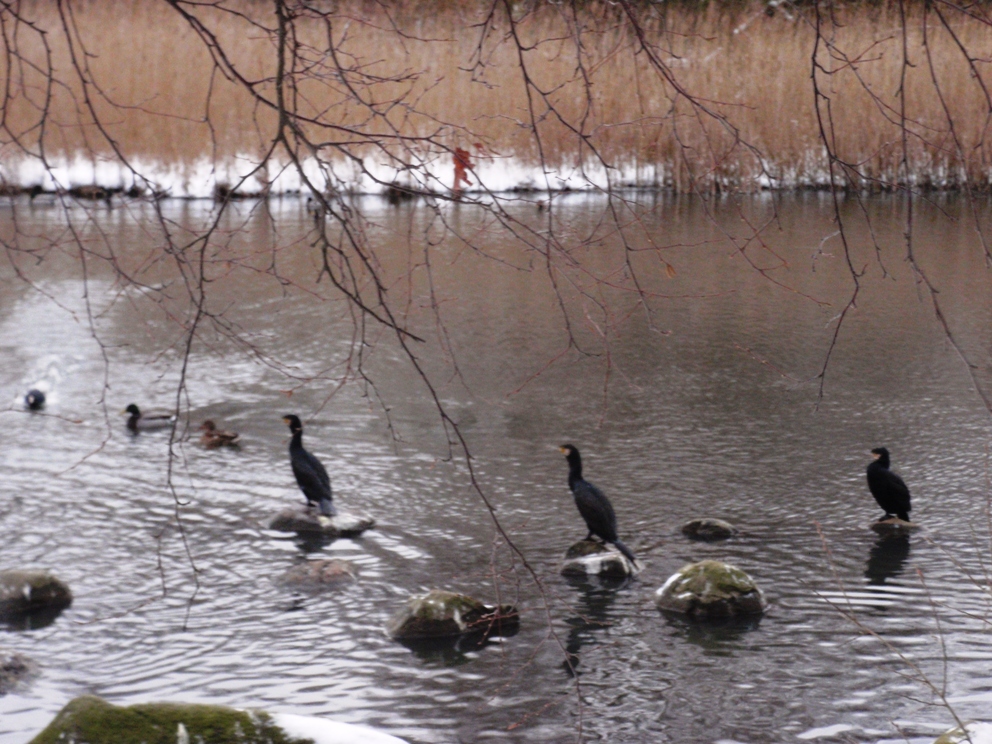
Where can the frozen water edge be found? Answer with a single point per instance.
(205, 179)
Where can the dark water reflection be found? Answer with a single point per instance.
(691, 422)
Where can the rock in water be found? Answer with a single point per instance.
(308, 521)
(893, 526)
(320, 573)
(976, 732)
(26, 592)
(14, 668)
(590, 558)
(92, 720)
(441, 614)
(708, 529)
(710, 589)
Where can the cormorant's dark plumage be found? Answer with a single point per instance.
(592, 503)
(35, 399)
(138, 421)
(887, 487)
(311, 476)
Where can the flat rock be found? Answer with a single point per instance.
(708, 529)
(308, 521)
(893, 526)
(441, 614)
(590, 558)
(14, 669)
(710, 589)
(321, 573)
(92, 720)
(26, 592)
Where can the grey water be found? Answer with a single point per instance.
(703, 405)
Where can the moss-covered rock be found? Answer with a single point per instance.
(14, 669)
(708, 529)
(309, 522)
(977, 733)
(441, 614)
(710, 589)
(319, 574)
(590, 558)
(25, 592)
(92, 720)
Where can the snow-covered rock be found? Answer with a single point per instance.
(309, 521)
(590, 558)
(976, 732)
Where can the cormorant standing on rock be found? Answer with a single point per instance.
(310, 475)
(592, 503)
(887, 487)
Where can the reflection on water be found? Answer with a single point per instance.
(887, 558)
(595, 596)
(694, 419)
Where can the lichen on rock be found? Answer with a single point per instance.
(441, 614)
(92, 720)
(590, 558)
(24, 592)
(710, 589)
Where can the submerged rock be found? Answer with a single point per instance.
(320, 573)
(14, 669)
(92, 720)
(441, 614)
(710, 589)
(26, 592)
(590, 558)
(308, 521)
(708, 529)
(893, 526)
(976, 732)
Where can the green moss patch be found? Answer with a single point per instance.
(92, 720)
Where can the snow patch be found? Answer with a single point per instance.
(322, 731)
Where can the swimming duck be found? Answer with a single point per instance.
(212, 437)
(138, 421)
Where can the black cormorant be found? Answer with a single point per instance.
(138, 421)
(592, 503)
(35, 399)
(310, 475)
(213, 437)
(887, 487)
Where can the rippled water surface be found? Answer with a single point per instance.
(705, 408)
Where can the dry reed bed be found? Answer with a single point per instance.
(433, 74)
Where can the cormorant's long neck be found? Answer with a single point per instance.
(574, 471)
(296, 443)
(883, 460)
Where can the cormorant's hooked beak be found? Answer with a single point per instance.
(875, 455)
(563, 450)
(285, 420)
